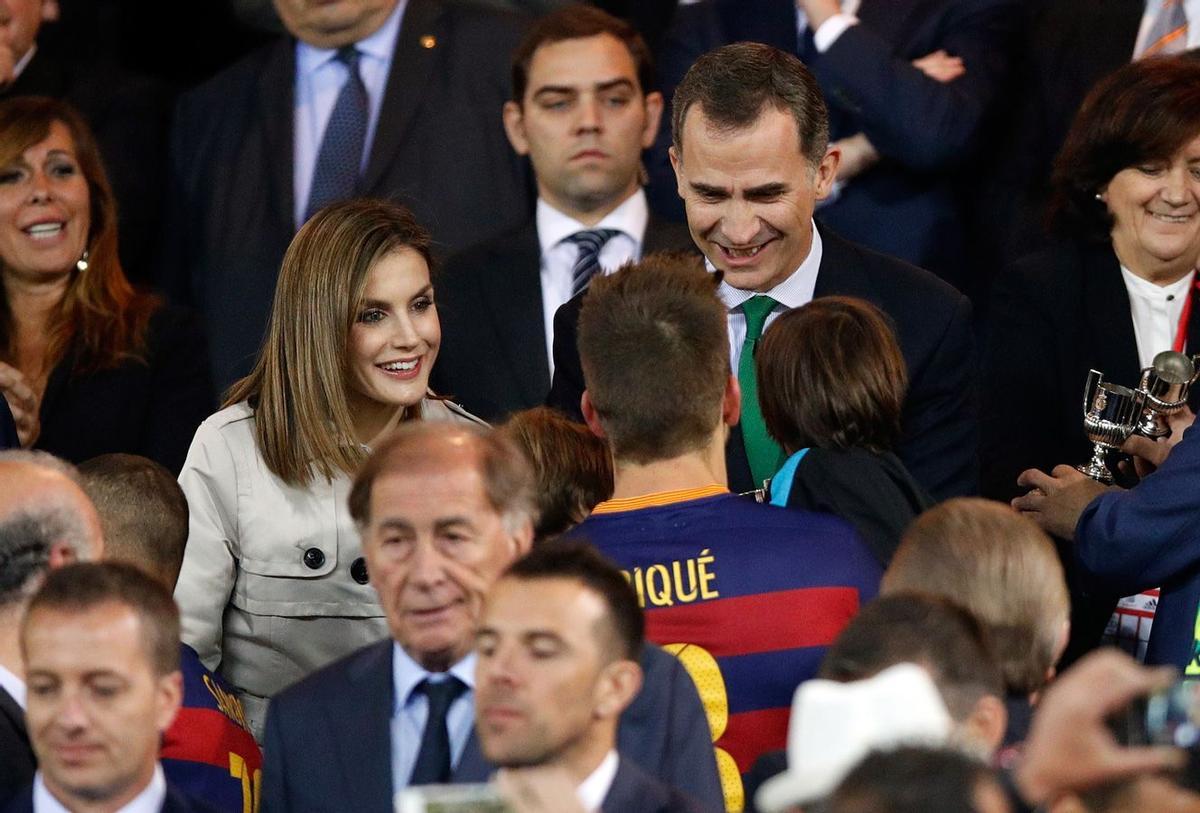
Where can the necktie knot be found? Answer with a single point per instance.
(587, 263)
(348, 55)
(757, 309)
(441, 694)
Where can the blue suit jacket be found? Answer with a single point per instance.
(1149, 536)
(328, 737)
(635, 791)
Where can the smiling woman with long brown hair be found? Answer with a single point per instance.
(88, 364)
(274, 584)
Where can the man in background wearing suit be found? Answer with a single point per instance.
(443, 510)
(583, 111)
(101, 647)
(557, 663)
(46, 521)
(381, 98)
(751, 155)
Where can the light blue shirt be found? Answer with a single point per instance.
(412, 709)
(319, 80)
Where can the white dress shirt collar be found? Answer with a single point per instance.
(23, 62)
(150, 800)
(793, 292)
(13, 685)
(591, 791)
(629, 218)
(407, 674)
(1156, 311)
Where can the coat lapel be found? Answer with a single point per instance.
(1109, 324)
(362, 726)
(472, 766)
(413, 61)
(512, 287)
(277, 116)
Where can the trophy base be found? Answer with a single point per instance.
(1099, 473)
(1153, 430)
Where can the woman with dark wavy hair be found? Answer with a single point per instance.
(88, 365)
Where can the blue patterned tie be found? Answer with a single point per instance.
(335, 176)
(587, 263)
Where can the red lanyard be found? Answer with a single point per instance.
(1181, 333)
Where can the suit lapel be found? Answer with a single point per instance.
(412, 65)
(512, 288)
(362, 727)
(472, 766)
(840, 272)
(10, 709)
(276, 108)
(1109, 324)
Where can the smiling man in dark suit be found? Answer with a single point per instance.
(583, 111)
(378, 98)
(752, 159)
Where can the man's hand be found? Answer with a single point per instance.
(940, 66)
(541, 789)
(1057, 499)
(818, 11)
(23, 402)
(1149, 454)
(858, 155)
(1070, 746)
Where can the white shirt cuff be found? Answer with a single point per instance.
(828, 32)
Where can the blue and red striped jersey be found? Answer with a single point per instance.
(209, 752)
(747, 595)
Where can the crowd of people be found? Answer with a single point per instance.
(451, 395)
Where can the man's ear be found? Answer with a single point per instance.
(988, 722)
(169, 700)
(62, 554)
(826, 172)
(731, 402)
(654, 111)
(676, 164)
(590, 416)
(619, 683)
(514, 127)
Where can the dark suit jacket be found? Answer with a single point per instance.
(906, 205)
(128, 115)
(1149, 537)
(328, 740)
(149, 409)
(933, 325)
(17, 762)
(635, 791)
(493, 354)
(175, 802)
(1054, 316)
(439, 148)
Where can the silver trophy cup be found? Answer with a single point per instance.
(1165, 386)
(1110, 415)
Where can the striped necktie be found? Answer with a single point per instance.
(587, 262)
(335, 176)
(1168, 32)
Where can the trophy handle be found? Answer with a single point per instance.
(1089, 389)
(1196, 366)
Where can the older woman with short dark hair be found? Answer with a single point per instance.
(1116, 288)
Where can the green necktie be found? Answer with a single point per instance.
(762, 451)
